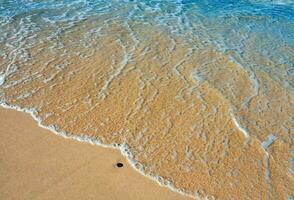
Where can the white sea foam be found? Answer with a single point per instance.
(267, 168)
(270, 139)
(265, 144)
(2, 79)
(277, 2)
(239, 126)
(177, 19)
(124, 148)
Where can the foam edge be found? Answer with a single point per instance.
(124, 149)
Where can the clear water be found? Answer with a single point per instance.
(193, 87)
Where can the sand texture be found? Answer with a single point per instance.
(201, 105)
(36, 164)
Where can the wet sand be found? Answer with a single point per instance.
(36, 164)
(189, 116)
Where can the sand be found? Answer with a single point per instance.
(189, 114)
(36, 164)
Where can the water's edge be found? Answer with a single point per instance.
(123, 148)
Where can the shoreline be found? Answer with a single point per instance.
(123, 149)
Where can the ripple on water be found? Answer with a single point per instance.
(2, 79)
(162, 79)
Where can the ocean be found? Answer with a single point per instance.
(198, 95)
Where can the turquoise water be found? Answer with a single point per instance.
(231, 25)
(241, 52)
(245, 30)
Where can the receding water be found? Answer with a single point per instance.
(199, 95)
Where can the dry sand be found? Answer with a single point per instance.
(36, 164)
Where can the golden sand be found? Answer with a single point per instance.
(35, 164)
(181, 110)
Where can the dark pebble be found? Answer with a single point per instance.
(119, 164)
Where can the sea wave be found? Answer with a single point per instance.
(194, 88)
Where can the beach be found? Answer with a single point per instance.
(36, 164)
(198, 96)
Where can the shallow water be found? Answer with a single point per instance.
(200, 93)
